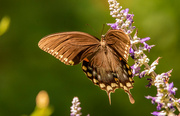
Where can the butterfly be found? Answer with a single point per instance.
(103, 61)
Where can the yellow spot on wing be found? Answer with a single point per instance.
(60, 56)
(114, 85)
(89, 74)
(128, 84)
(125, 88)
(129, 72)
(127, 66)
(71, 62)
(95, 80)
(84, 68)
(121, 85)
(130, 79)
(65, 59)
(102, 85)
(109, 88)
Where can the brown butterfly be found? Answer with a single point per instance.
(104, 62)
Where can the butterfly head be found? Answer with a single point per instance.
(103, 41)
(102, 36)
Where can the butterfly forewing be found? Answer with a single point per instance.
(69, 47)
(119, 42)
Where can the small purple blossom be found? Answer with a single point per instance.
(142, 74)
(131, 52)
(148, 47)
(162, 113)
(135, 69)
(145, 39)
(113, 25)
(149, 83)
(152, 99)
(126, 12)
(159, 106)
(130, 19)
(171, 89)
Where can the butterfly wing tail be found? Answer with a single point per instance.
(131, 99)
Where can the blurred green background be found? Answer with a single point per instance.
(25, 69)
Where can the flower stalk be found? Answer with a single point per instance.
(165, 100)
(75, 108)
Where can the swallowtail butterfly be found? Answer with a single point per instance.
(103, 61)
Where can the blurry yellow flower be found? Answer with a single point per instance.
(42, 105)
(4, 24)
(42, 99)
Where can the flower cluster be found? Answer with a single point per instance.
(166, 102)
(164, 97)
(75, 108)
(124, 20)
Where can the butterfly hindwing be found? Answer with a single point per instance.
(69, 47)
(108, 71)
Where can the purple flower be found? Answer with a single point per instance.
(150, 82)
(135, 70)
(152, 99)
(130, 19)
(168, 73)
(171, 90)
(155, 113)
(172, 107)
(113, 25)
(142, 74)
(159, 106)
(148, 47)
(131, 52)
(145, 39)
(126, 12)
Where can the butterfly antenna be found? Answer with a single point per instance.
(92, 29)
(102, 29)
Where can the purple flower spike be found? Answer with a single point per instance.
(145, 39)
(75, 108)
